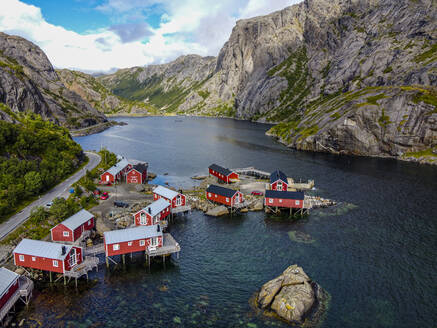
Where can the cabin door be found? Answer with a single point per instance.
(178, 201)
(237, 199)
(279, 186)
(107, 178)
(73, 260)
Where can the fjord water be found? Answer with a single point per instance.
(375, 253)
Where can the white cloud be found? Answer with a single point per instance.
(191, 26)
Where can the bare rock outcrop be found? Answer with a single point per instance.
(293, 296)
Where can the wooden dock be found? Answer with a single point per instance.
(23, 293)
(88, 264)
(251, 171)
(181, 209)
(169, 246)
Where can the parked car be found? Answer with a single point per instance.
(257, 193)
(49, 204)
(120, 204)
(96, 192)
(104, 196)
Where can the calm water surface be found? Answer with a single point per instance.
(375, 253)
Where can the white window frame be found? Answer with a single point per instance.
(116, 247)
(209, 194)
(33, 259)
(143, 218)
(297, 202)
(280, 200)
(156, 219)
(66, 233)
(227, 199)
(142, 242)
(21, 258)
(270, 200)
(55, 263)
(154, 241)
(215, 196)
(129, 243)
(89, 221)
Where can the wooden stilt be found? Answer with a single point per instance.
(76, 282)
(123, 258)
(163, 260)
(50, 274)
(107, 262)
(65, 281)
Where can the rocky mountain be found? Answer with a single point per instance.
(28, 82)
(99, 96)
(343, 76)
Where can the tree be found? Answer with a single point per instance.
(39, 214)
(33, 182)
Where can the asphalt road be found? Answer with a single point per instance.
(61, 190)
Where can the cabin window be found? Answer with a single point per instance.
(143, 219)
(156, 219)
(89, 222)
(209, 194)
(21, 258)
(142, 242)
(154, 241)
(55, 263)
(297, 202)
(129, 243)
(215, 196)
(280, 200)
(227, 199)
(33, 258)
(270, 201)
(116, 247)
(66, 234)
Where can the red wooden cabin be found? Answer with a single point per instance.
(278, 181)
(47, 256)
(74, 227)
(288, 199)
(176, 199)
(222, 173)
(152, 214)
(138, 174)
(116, 172)
(9, 284)
(225, 196)
(125, 241)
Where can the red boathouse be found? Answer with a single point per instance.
(287, 199)
(222, 173)
(47, 256)
(138, 174)
(138, 239)
(225, 196)
(8, 286)
(176, 199)
(152, 214)
(74, 227)
(278, 181)
(116, 172)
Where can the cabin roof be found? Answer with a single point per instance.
(220, 169)
(42, 249)
(131, 234)
(156, 207)
(278, 175)
(221, 191)
(140, 167)
(285, 194)
(7, 278)
(165, 192)
(117, 168)
(77, 219)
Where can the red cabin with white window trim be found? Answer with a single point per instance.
(138, 174)
(288, 199)
(9, 283)
(225, 196)
(47, 256)
(153, 214)
(278, 181)
(222, 173)
(138, 239)
(74, 227)
(116, 172)
(176, 199)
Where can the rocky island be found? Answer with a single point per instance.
(294, 297)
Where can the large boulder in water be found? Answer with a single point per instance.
(293, 296)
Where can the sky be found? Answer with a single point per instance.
(105, 35)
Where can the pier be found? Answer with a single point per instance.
(88, 264)
(251, 171)
(169, 246)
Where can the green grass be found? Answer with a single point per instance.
(374, 99)
(418, 154)
(429, 54)
(389, 69)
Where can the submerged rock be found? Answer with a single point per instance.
(293, 296)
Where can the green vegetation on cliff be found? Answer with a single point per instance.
(35, 155)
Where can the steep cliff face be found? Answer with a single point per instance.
(28, 82)
(310, 68)
(100, 97)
